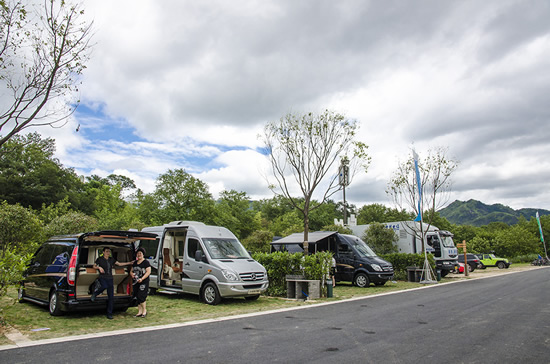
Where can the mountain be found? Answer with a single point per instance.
(476, 213)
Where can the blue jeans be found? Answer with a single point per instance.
(107, 284)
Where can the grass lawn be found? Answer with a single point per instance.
(162, 309)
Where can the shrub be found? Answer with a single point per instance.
(280, 264)
(401, 261)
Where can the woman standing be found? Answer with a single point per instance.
(141, 271)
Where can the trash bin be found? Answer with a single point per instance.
(329, 288)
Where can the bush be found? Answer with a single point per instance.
(528, 258)
(280, 264)
(401, 261)
(20, 234)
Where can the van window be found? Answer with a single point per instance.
(43, 255)
(192, 246)
(150, 247)
(225, 248)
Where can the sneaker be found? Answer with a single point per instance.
(110, 317)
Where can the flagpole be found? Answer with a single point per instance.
(427, 271)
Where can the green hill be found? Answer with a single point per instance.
(477, 213)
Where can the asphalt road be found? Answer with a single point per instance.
(503, 319)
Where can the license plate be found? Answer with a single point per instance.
(254, 291)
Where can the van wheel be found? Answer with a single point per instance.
(361, 280)
(21, 294)
(210, 294)
(55, 305)
(501, 265)
(252, 298)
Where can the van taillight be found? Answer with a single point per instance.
(71, 273)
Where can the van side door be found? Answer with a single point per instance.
(193, 271)
(345, 262)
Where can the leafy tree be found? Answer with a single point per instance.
(305, 148)
(234, 212)
(516, 241)
(339, 228)
(380, 239)
(289, 223)
(31, 176)
(40, 63)
(180, 196)
(73, 222)
(20, 233)
(380, 213)
(435, 183)
(259, 241)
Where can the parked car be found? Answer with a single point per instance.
(61, 271)
(459, 268)
(472, 259)
(490, 260)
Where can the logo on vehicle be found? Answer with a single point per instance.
(253, 276)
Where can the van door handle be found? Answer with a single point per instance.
(187, 263)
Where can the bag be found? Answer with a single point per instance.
(95, 286)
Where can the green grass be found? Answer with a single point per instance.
(162, 309)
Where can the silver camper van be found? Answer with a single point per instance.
(209, 261)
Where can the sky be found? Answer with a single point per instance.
(191, 84)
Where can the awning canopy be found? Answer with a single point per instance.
(298, 238)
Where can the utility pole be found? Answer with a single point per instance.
(344, 181)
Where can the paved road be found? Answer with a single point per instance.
(504, 319)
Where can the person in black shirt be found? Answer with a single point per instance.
(140, 273)
(105, 265)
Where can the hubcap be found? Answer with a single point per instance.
(209, 294)
(53, 302)
(361, 281)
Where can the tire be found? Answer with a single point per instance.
(471, 268)
(21, 294)
(380, 283)
(210, 294)
(501, 265)
(252, 298)
(55, 305)
(361, 280)
(444, 273)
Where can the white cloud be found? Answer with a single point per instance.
(187, 84)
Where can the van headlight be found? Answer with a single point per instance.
(230, 275)
(376, 267)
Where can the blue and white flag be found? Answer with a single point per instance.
(415, 156)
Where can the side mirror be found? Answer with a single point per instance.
(199, 257)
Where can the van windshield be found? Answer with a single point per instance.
(225, 248)
(361, 247)
(447, 241)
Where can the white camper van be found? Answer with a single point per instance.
(208, 261)
(438, 242)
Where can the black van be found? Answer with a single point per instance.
(355, 260)
(61, 271)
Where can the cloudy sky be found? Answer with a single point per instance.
(190, 84)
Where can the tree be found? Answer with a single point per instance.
(180, 196)
(20, 233)
(303, 149)
(435, 183)
(234, 213)
(31, 176)
(380, 239)
(42, 54)
(379, 213)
